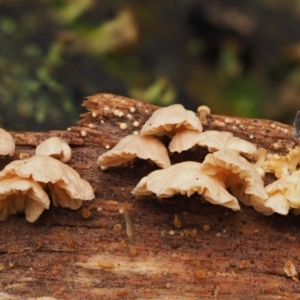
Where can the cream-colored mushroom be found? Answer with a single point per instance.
(66, 187)
(55, 147)
(132, 146)
(289, 186)
(284, 193)
(170, 119)
(185, 178)
(7, 143)
(22, 195)
(213, 140)
(240, 176)
(203, 111)
(282, 165)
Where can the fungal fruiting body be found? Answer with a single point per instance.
(203, 111)
(225, 169)
(213, 140)
(22, 195)
(55, 147)
(132, 146)
(168, 120)
(239, 175)
(67, 189)
(7, 143)
(282, 165)
(285, 192)
(185, 178)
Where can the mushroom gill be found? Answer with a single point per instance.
(66, 187)
(132, 146)
(239, 175)
(213, 140)
(185, 178)
(22, 195)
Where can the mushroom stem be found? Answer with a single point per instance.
(203, 111)
(261, 157)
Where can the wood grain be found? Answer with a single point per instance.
(215, 254)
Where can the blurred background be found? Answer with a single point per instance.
(240, 58)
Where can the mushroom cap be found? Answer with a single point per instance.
(66, 187)
(275, 203)
(203, 111)
(284, 193)
(22, 195)
(7, 143)
(168, 119)
(203, 108)
(239, 175)
(278, 194)
(287, 187)
(185, 178)
(214, 140)
(132, 146)
(282, 165)
(293, 194)
(55, 147)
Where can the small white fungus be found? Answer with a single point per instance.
(123, 126)
(83, 133)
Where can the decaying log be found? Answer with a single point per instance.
(205, 252)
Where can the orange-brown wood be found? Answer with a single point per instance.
(182, 248)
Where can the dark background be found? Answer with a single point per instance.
(238, 57)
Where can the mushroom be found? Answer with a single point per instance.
(282, 165)
(66, 187)
(185, 178)
(55, 147)
(240, 176)
(7, 143)
(168, 120)
(214, 140)
(203, 111)
(284, 193)
(22, 195)
(132, 146)
(292, 189)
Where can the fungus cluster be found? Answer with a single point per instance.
(227, 173)
(27, 184)
(225, 176)
(285, 191)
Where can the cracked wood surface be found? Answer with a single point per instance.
(216, 254)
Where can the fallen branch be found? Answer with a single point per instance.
(213, 253)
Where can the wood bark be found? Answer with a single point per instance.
(215, 253)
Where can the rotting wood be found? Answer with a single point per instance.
(66, 256)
